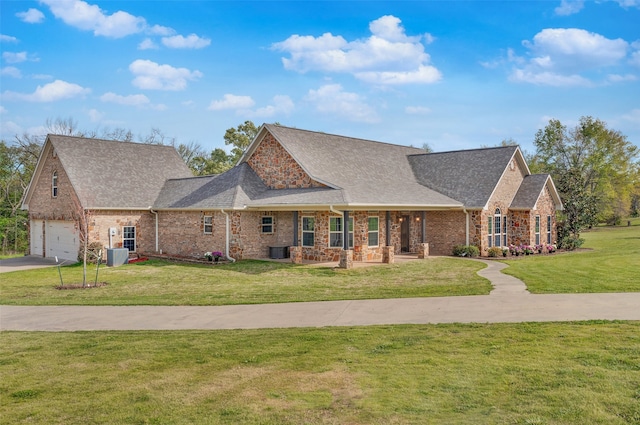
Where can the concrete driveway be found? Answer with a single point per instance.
(25, 263)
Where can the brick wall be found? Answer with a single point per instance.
(277, 168)
(101, 221)
(445, 229)
(42, 204)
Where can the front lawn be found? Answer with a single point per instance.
(611, 264)
(573, 373)
(245, 282)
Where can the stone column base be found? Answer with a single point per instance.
(346, 259)
(388, 254)
(295, 253)
(423, 250)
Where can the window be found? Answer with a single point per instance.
(490, 230)
(267, 224)
(129, 238)
(497, 220)
(54, 184)
(504, 231)
(208, 224)
(336, 232)
(549, 229)
(308, 231)
(537, 230)
(374, 231)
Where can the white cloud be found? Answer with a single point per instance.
(11, 71)
(635, 58)
(3, 110)
(131, 100)
(147, 44)
(95, 115)
(152, 76)
(633, 116)
(560, 57)
(333, 100)
(282, 104)
(628, 3)
(388, 56)
(8, 39)
(192, 41)
(12, 57)
(160, 30)
(57, 90)
(615, 78)
(31, 16)
(231, 101)
(569, 7)
(417, 110)
(84, 16)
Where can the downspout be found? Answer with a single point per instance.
(466, 225)
(156, 214)
(333, 210)
(226, 243)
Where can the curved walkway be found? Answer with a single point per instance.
(509, 302)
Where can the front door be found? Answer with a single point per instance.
(404, 234)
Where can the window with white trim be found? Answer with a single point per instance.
(54, 184)
(207, 222)
(549, 229)
(129, 238)
(374, 231)
(537, 230)
(336, 232)
(308, 231)
(504, 231)
(266, 224)
(490, 230)
(497, 227)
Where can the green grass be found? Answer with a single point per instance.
(612, 264)
(574, 373)
(245, 282)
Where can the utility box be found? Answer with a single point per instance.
(117, 257)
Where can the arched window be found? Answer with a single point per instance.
(54, 184)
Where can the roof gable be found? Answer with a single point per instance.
(530, 191)
(469, 176)
(107, 174)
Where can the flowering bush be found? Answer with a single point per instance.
(551, 248)
(211, 255)
(515, 250)
(217, 254)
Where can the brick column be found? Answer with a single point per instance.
(423, 250)
(388, 253)
(295, 253)
(346, 259)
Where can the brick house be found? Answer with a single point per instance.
(317, 195)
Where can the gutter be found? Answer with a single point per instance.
(226, 242)
(333, 210)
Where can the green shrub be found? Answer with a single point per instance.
(495, 252)
(466, 251)
(570, 243)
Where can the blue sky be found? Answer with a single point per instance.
(453, 74)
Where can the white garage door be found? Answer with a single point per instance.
(62, 240)
(36, 242)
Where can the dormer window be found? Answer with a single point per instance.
(54, 184)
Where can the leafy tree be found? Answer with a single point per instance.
(240, 138)
(218, 162)
(593, 167)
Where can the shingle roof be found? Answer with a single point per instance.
(529, 191)
(368, 172)
(468, 176)
(112, 174)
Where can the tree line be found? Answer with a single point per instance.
(596, 170)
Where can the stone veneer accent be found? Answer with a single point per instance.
(277, 169)
(43, 205)
(346, 259)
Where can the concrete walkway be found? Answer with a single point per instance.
(509, 302)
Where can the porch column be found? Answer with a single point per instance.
(423, 234)
(388, 229)
(345, 230)
(295, 228)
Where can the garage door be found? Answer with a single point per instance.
(36, 244)
(62, 240)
